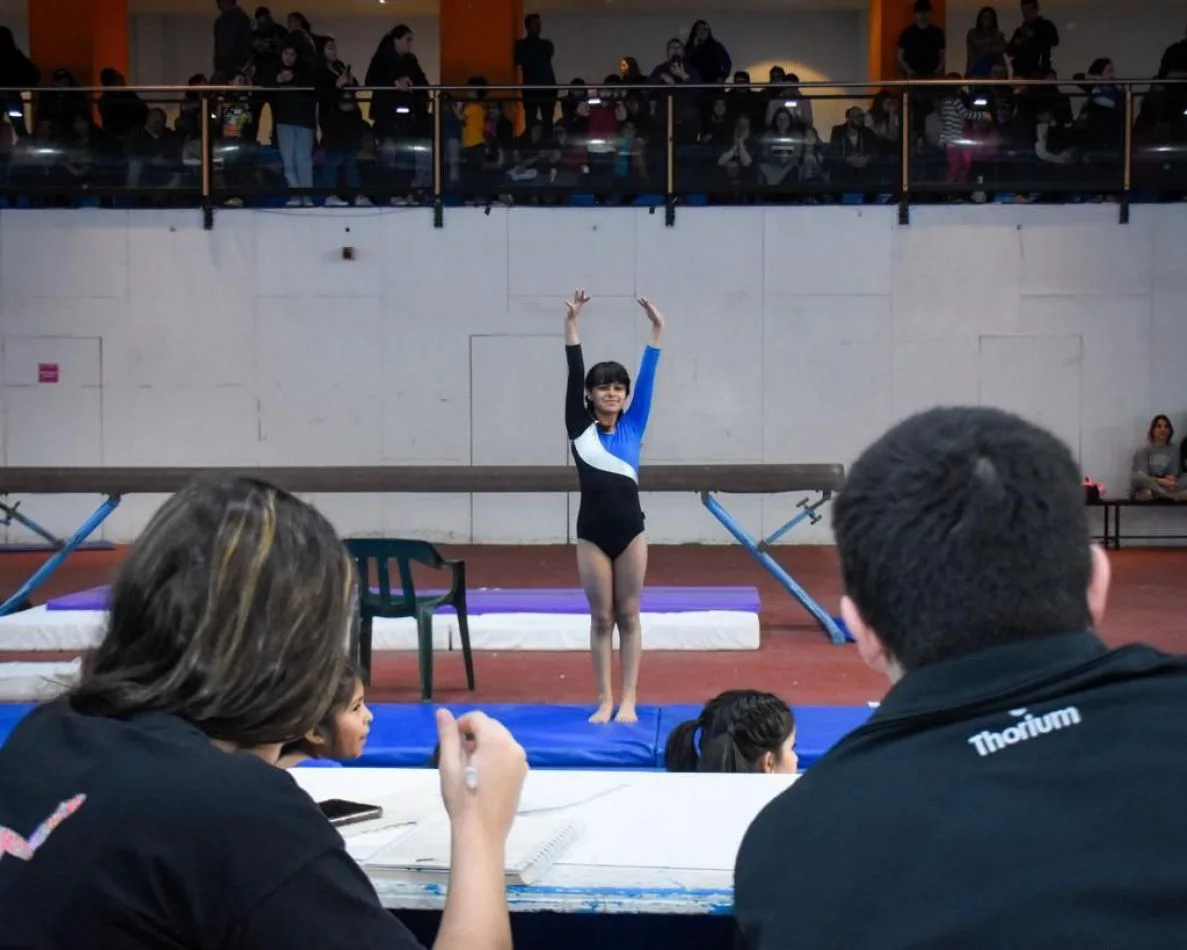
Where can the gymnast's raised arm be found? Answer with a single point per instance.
(640, 409)
(576, 415)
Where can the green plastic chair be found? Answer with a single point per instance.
(405, 602)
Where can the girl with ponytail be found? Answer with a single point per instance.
(740, 730)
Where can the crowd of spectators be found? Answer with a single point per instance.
(308, 124)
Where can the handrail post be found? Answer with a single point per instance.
(207, 165)
(670, 154)
(904, 205)
(1127, 156)
(438, 161)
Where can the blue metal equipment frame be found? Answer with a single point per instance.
(758, 550)
(68, 547)
(10, 513)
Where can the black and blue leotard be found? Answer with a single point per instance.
(610, 515)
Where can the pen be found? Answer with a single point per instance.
(469, 773)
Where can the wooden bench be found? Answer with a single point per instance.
(1111, 520)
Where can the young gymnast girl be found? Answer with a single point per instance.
(606, 439)
(342, 732)
(741, 730)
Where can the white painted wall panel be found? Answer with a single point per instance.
(65, 254)
(828, 250)
(309, 341)
(1074, 249)
(930, 373)
(956, 289)
(553, 252)
(682, 518)
(55, 422)
(717, 253)
(425, 388)
(456, 274)
(709, 387)
(77, 360)
(1168, 352)
(518, 408)
(1036, 377)
(303, 255)
(518, 519)
(824, 402)
(181, 425)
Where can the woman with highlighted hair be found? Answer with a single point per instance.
(144, 807)
(741, 730)
(606, 438)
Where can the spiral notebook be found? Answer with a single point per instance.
(422, 855)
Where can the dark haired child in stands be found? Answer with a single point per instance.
(740, 730)
(342, 732)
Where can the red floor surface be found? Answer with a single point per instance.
(1148, 602)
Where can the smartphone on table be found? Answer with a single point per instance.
(341, 812)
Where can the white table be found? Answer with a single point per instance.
(653, 842)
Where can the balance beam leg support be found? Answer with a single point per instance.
(42, 574)
(786, 581)
(11, 514)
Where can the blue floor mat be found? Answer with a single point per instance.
(554, 737)
(403, 735)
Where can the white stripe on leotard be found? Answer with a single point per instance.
(589, 447)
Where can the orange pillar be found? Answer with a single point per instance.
(886, 21)
(84, 36)
(478, 39)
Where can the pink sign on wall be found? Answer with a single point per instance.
(47, 372)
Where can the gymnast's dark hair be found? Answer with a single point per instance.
(962, 529)
(230, 611)
(348, 682)
(605, 373)
(732, 733)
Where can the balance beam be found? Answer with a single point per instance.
(420, 479)
(708, 481)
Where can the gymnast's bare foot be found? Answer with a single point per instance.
(605, 708)
(626, 712)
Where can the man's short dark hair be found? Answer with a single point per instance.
(962, 529)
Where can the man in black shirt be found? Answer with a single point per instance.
(1021, 784)
(533, 56)
(921, 46)
(1031, 45)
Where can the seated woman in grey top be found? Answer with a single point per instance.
(1157, 467)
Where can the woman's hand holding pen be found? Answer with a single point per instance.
(482, 771)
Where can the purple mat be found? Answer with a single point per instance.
(543, 600)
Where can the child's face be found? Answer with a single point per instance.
(351, 726)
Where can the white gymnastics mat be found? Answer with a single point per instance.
(68, 631)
